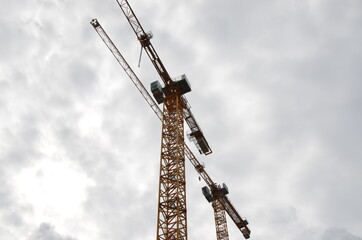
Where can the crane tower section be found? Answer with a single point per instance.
(172, 221)
(220, 221)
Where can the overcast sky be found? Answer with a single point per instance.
(276, 88)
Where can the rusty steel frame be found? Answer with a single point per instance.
(220, 221)
(172, 220)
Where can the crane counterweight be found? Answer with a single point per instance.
(156, 89)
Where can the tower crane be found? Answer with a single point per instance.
(172, 222)
(144, 38)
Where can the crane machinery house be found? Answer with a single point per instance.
(159, 92)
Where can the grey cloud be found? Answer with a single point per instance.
(19, 148)
(12, 50)
(11, 211)
(48, 232)
(337, 233)
(276, 89)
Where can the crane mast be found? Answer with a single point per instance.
(220, 221)
(172, 218)
(172, 222)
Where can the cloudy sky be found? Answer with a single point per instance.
(276, 89)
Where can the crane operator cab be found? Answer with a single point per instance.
(159, 92)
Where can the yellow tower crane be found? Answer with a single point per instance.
(172, 221)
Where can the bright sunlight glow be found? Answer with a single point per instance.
(54, 189)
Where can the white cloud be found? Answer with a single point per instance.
(47, 232)
(56, 189)
(276, 89)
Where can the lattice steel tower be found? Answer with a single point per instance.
(172, 221)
